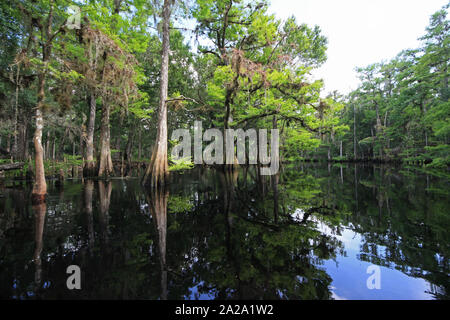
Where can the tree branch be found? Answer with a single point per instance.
(182, 98)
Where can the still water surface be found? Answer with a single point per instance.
(310, 232)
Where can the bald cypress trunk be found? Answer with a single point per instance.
(40, 185)
(128, 150)
(89, 167)
(106, 165)
(158, 169)
(16, 116)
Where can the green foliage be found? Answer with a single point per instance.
(179, 204)
(180, 164)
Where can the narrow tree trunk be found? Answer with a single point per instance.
(89, 167)
(378, 130)
(106, 165)
(25, 140)
(158, 169)
(128, 150)
(47, 147)
(117, 145)
(424, 108)
(63, 142)
(329, 150)
(81, 144)
(373, 143)
(16, 115)
(21, 140)
(8, 143)
(40, 185)
(54, 148)
(140, 144)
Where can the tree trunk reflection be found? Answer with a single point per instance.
(88, 191)
(39, 221)
(158, 208)
(104, 189)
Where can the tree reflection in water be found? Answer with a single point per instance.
(39, 211)
(158, 208)
(225, 235)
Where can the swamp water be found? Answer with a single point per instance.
(311, 232)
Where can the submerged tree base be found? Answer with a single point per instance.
(37, 199)
(157, 172)
(89, 170)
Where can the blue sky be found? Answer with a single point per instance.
(360, 32)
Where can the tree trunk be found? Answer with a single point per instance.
(90, 164)
(140, 144)
(21, 140)
(89, 167)
(424, 108)
(54, 148)
(117, 144)
(329, 150)
(40, 185)
(8, 143)
(106, 165)
(158, 169)
(378, 130)
(25, 141)
(47, 146)
(16, 116)
(63, 142)
(128, 150)
(81, 142)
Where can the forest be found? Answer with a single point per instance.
(99, 84)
